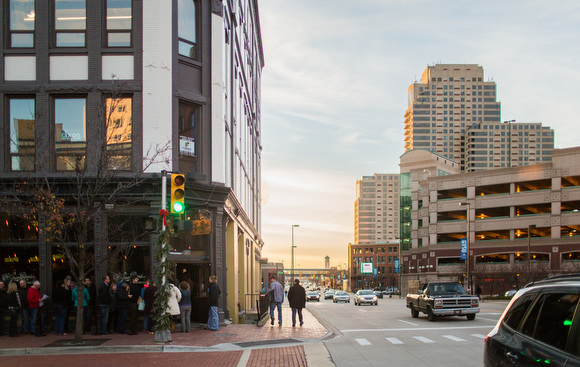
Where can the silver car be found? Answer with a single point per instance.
(341, 296)
(365, 296)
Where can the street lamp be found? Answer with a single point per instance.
(293, 226)
(529, 252)
(467, 238)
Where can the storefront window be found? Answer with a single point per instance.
(17, 229)
(123, 261)
(19, 262)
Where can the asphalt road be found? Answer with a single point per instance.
(386, 335)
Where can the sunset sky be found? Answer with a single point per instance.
(334, 92)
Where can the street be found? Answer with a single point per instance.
(386, 335)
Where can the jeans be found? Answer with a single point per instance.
(24, 321)
(13, 328)
(185, 318)
(36, 321)
(133, 317)
(213, 319)
(277, 305)
(122, 319)
(104, 309)
(299, 310)
(59, 315)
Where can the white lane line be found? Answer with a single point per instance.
(245, 358)
(423, 339)
(489, 327)
(480, 336)
(407, 322)
(483, 318)
(394, 341)
(454, 338)
(363, 341)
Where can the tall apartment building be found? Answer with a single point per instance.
(90, 89)
(376, 208)
(454, 112)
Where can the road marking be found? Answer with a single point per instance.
(454, 338)
(481, 336)
(407, 322)
(489, 327)
(245, 358)
(423, 339)
(363, 341)
(394, 341)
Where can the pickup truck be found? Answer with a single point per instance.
(443, 299)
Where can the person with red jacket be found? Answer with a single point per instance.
(34, 303)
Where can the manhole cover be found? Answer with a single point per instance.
(71, 343)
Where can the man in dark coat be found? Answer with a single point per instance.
(134, 293)
(297, 300)
(104, 303)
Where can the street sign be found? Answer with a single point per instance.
(375, 272)
(464, 249)
(396, 265)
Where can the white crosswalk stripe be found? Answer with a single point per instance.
(480, 336)
(423, 339)
(363, 341)
(394, 341)
(454, 338)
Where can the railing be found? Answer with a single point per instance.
(259, 303)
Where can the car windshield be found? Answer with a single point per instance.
(341, 293)
(313, 293)
(366, 293)
(445, 288)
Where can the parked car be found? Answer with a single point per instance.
(540, 326)
(510, 293)
(341, 296)
(365, 296)
(329, 294)
(313, 296)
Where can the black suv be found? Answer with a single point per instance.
(539, 327)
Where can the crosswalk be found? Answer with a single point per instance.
(425, 340)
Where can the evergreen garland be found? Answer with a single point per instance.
(163, 319)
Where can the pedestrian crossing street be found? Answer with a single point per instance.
(424, 340)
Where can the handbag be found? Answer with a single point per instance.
(141, 306)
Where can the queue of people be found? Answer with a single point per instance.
(113, 307)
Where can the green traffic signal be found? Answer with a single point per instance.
(178, 207)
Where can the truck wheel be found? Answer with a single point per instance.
(414, 313)
(471, 316)
(431, 315)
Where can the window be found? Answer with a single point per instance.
(70, 133)
(186, 28)
(119, 23)
(22, 23)
(70, 23)
(119, 123)
(22, 133)
(514, 316)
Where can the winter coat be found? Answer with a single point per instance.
(104, 295)
(75, 297)
(149, 297)
(33, 297)
(214, 294)
(174, 298)
(297, 296)
(122, 298)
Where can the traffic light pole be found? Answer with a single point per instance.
(163, 207)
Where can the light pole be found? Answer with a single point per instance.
(467, 238)
(292, 277)
(529, 252)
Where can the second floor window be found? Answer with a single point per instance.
(119, 125)
(70, 23)
(22, 23)
(119, 23)
(70, 133)
(22, 133)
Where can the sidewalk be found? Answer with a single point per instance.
(233, 345)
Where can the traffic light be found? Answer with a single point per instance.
(177, 193)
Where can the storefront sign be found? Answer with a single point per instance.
(201, 226)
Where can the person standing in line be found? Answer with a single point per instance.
(70, 305)
(60, 301)
(24, 311)
(173, 304)
(104, 303)
(297, 300)
(149, 298)
(134, 292)
(75, 299)
(185, 307)
(122, 307)
(113, 314)
(142, 296)
(214, 296)
(3, 306)
(13, 304)
(36, 317)
(276, 299)
(91, 307)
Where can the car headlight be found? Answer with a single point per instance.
(375, 298)
(438, 303)
(474, 302)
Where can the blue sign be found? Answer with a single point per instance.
(375, 272)
(464, 249)
(396, 265)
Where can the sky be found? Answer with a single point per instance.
(334, 94)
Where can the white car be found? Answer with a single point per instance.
(341, 296)
(510, 293)
(365, 296)
(313, 296)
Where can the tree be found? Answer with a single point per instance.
(64, 208)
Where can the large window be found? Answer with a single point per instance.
(188, 125)
(119, 23)
(119, 123)
(22, 20)
(70, 23)
(186, 26)
(70, 130)
(22, 136)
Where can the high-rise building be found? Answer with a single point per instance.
(453, 111)
(122, 91)
(376, 208)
